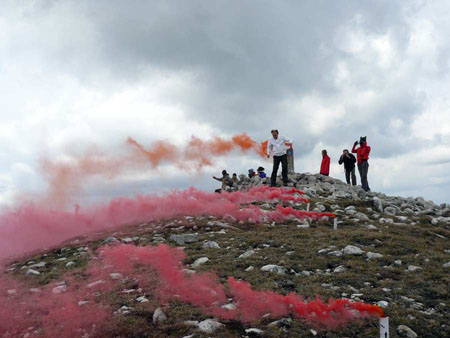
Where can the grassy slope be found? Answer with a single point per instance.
(413, 244)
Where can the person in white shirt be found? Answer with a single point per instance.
(277, 146)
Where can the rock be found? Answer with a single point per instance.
(274, 268)
(159, 316)
(405, 331)
(200, 261)
(391, 211)
(142, 299)
(371, 227)
(378, 204)
(127, 240)
(320, 207)
(229, 306)
(303, 226)
(110, 240)
(211, 245)
(336, 253)
(69, 264)
(59, 289)
(362, 216)
(352, 250)
(383, 304)
(250, 268)
(38, 265)
(446, 265)
(339, 269)
(115, 276)
(96, 283)
(209, 325)
(398, 262)
(373, 255)
(32, 272)
(412, 268)
(184, 238)
(247, 254)
(254, 331)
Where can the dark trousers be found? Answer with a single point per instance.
(350, 173)
(363, 169)
(284, 169)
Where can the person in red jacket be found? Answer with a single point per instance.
(363, 160)
(325, 166)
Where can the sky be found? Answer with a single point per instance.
(81, 75)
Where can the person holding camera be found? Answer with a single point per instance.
(349, 165)
(362, 155)
(277, 146)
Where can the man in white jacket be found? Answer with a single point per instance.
(277, 146)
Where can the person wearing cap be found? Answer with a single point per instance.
(261, 172)
(225, 179)
(277, 147)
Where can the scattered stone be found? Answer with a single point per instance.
(142, 299)
(209, 325)
(200, 261)
(110, 240)
(274, 268)
(116, 276)
(446, 265)
(69, 264)
(96, 283)
(406, 331)
(59, 289)
(32, 272)
(247, 254)
(250, 268)
(339, 269)
(211, 245)
(373, 255)
(391, 211)
(352, 250)
(412, 268)
(398, 262)
(336, 253)
(159, 316)
(184, 238)
(383, 304)
(254, 331)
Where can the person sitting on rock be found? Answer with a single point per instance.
(234, 178)
(349, 166)
(362, 154)
(261, 172)
(277, 146)
(226, 181)
(325, 166)
(251, 173)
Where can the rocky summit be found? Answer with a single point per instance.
(390, 251)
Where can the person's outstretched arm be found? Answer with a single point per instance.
(354, 147)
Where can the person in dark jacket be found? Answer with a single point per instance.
(349, 161)
(325, 166)
(362, 154)
(225, 179)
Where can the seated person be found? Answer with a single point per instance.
(225, 179)
(261, 172)
(251, 173)
(235, 179)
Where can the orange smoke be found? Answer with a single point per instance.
(66, 179)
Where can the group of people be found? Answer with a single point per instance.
(348, 159)
(277, 146)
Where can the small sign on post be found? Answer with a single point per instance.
(335, 223)
(307, 207)
(384, 327)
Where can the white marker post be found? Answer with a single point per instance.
(307, 207)
(335, 223)
(384, 327)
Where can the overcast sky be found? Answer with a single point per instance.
(82, 73)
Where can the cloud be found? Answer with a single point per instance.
(76, 73)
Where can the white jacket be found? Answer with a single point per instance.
(278, 146)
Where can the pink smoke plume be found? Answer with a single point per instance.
(55, 310)
(31, 226)
(66, 178)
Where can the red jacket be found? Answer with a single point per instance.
(362, 152)
(325, 166)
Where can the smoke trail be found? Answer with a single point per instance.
(65, 179)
